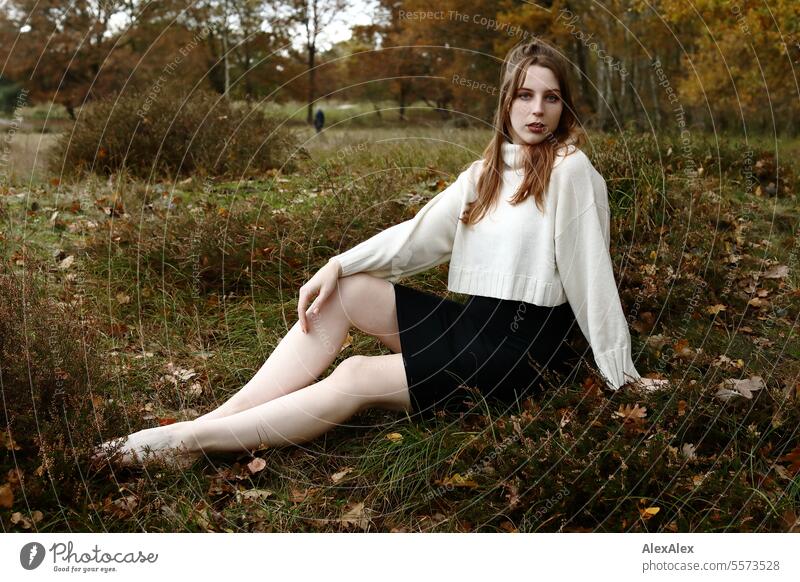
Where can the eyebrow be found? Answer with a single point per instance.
(532, 91)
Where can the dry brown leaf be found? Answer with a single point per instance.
(66, 263)
(124, 506)
(356, 516)
(6, 496)
(299, 495)
(793, 458)
(681, 407)
(7, 442)
(336, 477)
(631, 413)
(256, 465)
(253, 495)
(733, 388)
(776, 272)
(715, 309)
(512, 494)
(394, 437)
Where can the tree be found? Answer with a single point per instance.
(313, 16)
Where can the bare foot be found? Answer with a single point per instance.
(159, 445)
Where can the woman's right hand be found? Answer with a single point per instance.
(321, 285)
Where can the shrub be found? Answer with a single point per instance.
(50, 378)
(169, 134)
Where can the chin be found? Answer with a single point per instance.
(533, 139)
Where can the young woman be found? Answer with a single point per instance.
(526, 232)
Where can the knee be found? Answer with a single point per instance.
(351, 368)
(370, 385)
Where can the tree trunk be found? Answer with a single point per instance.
(654, 95)
(311, 82)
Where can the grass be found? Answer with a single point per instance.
(206, 279)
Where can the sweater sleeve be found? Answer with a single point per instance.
(415, 245)
(584, 264)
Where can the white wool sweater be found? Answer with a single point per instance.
(518, 252)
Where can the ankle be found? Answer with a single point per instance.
(185, 437)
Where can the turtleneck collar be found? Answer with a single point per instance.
(512, 155)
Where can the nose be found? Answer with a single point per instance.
(537, 106)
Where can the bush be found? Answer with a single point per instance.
(168, 135)
(50, 377)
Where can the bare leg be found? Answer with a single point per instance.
(361, 300)
(358, 383)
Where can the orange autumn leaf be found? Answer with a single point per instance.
(793, 458)
(6, 496)
(648, 512)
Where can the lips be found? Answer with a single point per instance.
(536, 125)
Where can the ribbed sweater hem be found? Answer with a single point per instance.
(505, 286)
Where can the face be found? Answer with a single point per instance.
(537, 100)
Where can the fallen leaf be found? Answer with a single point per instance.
(648, 512)
(356, 516)
(629, 412)
(6, 496)
(512, 494)
(336, 477)
(124, 506)
(715, 309)
(18, 519)
(681, 407)
(7, 442)
(66, 263)
(253, 495)
(792, 457)
(776, 272)
(688, 450)
(196, 389)
(732, 388)
(347, 342)
(299, 495)
(256, 465)
(394, 437)
(123, 299)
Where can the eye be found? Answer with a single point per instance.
(523, 95)
(555, 98)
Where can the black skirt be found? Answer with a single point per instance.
(499, 347)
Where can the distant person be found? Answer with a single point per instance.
(537, 263)
(319, 120)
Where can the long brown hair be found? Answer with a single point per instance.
(538, 158)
